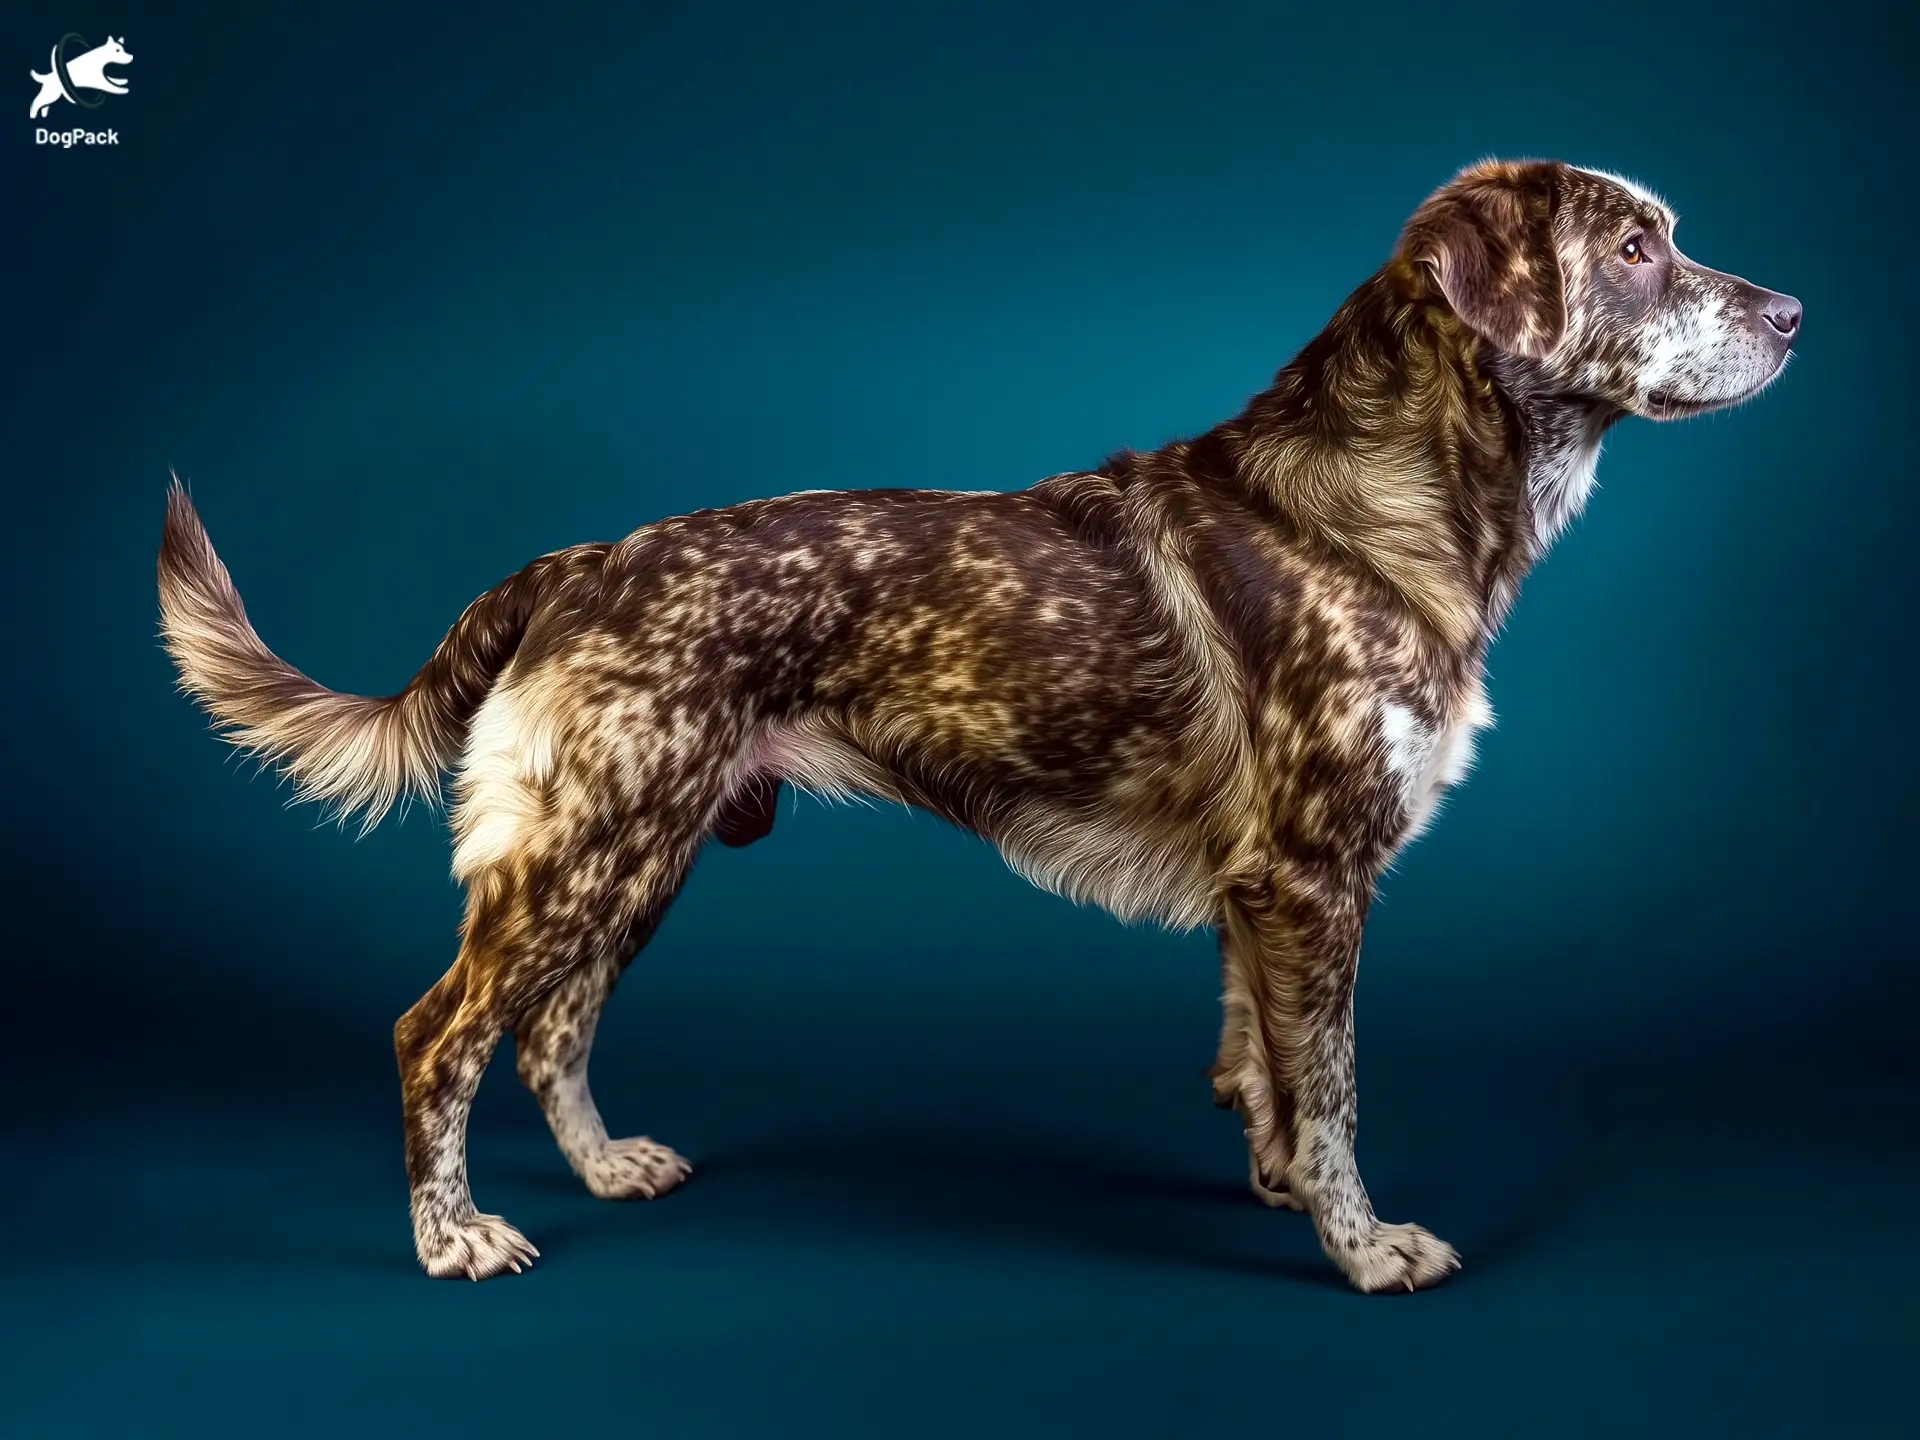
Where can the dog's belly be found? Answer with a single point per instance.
(1137, 863)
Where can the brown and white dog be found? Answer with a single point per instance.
(1218, 684)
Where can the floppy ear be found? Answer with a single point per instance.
(1488, 236)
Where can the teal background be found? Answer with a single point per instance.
(411, 294)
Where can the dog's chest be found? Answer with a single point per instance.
(1425, 756)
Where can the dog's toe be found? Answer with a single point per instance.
(479, 1248)
(1397, 1257)
(634, 1169)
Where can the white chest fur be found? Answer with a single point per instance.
(1560, 478)
(1427, 759)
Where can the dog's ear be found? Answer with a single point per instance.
(1488, 236)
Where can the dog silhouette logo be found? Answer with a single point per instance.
(70, 74)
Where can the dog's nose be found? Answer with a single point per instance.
(1782, 314)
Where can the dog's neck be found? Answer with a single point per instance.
(1385, 443)
(1397, 439)
(1563, 436)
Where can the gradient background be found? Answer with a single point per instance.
(411, 294)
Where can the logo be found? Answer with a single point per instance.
(72, 71)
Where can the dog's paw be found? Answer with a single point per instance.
(635, 1169)
(481, 1247)
(1396, 1257)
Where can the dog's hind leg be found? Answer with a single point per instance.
(443, 1044)
(553, 1043)
(1302, 928)
(577, 822)
(542, 935)
(554, 1039)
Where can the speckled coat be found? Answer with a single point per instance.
(1217, 684)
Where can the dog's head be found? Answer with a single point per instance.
(114, 53)
(1575, 272)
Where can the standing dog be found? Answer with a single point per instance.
(1217, 684)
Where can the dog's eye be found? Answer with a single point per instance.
(1632, 253)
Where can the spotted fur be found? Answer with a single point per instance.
(1216, 684)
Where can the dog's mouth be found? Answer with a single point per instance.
(1663, 405)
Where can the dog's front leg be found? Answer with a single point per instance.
(1243, 1075)
(1301, 930)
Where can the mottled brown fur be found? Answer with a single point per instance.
(1216, 684)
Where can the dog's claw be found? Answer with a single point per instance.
(479, 1248)
(1396, 1257)
(634, 1169)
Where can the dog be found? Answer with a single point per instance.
(1217, 684)
(87, 71)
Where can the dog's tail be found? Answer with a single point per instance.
(359, 752)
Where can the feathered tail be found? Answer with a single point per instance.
(361, 753)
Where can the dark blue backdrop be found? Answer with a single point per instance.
(411, 294)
